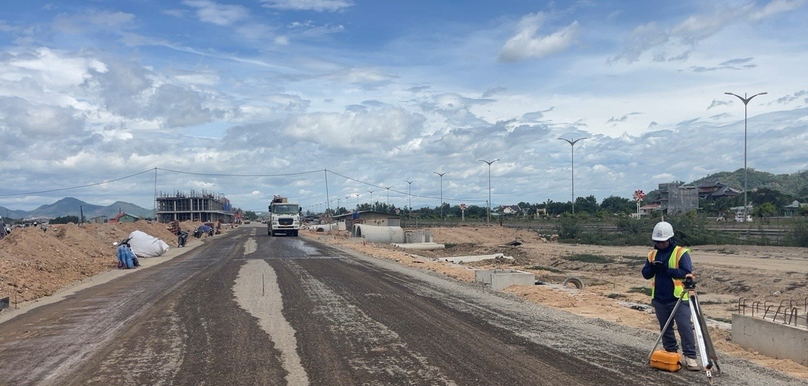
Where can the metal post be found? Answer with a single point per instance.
(371, 199)
(441, 193)
(572, 173)
(488, 221)
(409, 196)
(745, 101)
(327, 197)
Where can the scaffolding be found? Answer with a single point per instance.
(196, 206)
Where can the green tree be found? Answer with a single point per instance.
(65, 220)
(766, 209)
(615, 204)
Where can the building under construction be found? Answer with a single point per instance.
(196, 206)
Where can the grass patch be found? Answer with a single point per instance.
(588, 258)
(615, 296)
(643, 258)
(543, 268)
(723, 320)
(449, 245)
(641, 290)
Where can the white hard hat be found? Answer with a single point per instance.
(662, 231)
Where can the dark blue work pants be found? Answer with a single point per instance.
(683, 324)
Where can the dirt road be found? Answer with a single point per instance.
(249, 309)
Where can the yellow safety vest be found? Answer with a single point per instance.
(673, 262)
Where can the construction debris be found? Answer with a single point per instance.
(469, 259)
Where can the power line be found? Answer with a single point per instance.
(76, 187)
(400, 192)
(239, 175)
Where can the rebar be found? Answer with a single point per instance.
(766, 311)
(742, 306)
(793, 316)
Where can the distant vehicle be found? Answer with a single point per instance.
(739, 218)
(284, 218)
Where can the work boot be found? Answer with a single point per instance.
(691, 364)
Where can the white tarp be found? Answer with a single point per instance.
(144, 245)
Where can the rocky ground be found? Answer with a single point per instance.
(614, 288)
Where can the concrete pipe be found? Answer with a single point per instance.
(378, 234)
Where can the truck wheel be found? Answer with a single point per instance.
(294, 233)
(269, 232)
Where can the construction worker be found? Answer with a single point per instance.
(666, 267)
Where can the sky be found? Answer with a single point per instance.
(123, 100)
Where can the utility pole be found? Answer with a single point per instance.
(409, 197)
(745, 101)
(441, 193)
(488, 221)
(572, 174)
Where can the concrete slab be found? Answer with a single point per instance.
(773, 339)
(469, 259)
(503, 278)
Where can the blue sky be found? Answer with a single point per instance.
(383, 92)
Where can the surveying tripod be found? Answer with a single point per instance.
(707, 355)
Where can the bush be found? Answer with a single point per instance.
(691, 229)
(798, 236)
(569, 228)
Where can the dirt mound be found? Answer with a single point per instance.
(36, 263)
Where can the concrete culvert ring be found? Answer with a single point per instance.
(578, 283)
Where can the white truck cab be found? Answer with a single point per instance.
(284, 218)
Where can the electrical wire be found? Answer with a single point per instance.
(76, 187)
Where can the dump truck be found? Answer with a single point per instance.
(284, 218)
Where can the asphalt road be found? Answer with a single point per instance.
(249, 309)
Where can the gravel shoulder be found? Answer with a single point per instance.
(723, 274)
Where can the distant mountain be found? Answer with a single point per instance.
(70, 206)
(67, 206)
(795, 184)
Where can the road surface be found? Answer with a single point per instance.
(249, 309)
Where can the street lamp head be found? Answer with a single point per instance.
(572, 142)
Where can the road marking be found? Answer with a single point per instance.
(250, 246)
(255, 277)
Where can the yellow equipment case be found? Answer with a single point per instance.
(668, 361)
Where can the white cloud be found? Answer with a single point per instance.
(99, 21)
(365, 77)
(308, 5)
(527, 43)
(219, 14)
(776, 7)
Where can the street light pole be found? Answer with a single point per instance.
(572, 174)
(409, 195)
(388, 195)
(488, 221)
(745, 101)
(371, 199)
(441, 193)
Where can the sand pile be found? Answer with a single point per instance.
(36, 263)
